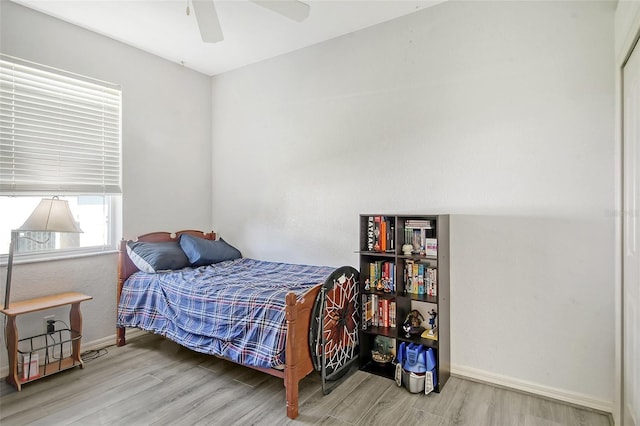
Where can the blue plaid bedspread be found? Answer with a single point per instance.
(233, 309)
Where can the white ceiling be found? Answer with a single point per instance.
(251, 33)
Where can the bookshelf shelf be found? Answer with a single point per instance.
(378, 369)
(377, 254)
(423, 298)
(426, 342)
(382, 258)
(417, 258)
(382, 331)
(380, 293)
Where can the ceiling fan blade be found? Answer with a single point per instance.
(292, 9)
(208, 22)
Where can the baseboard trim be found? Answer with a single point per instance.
(574, 398)
(132, 333)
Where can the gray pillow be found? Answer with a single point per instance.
(202, 252)
(155, 257)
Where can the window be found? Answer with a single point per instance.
(96, 215)
(60, 135)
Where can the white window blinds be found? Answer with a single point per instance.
(59, 132)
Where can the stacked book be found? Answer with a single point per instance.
(420, 278)
(380, 234)
(378, 311)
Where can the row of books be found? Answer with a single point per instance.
(420, 278)
(378, 311)
(380, 234)
(382, 276)
(418, 234)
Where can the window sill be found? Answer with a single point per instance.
(49, 257)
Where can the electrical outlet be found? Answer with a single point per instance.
(45, 324)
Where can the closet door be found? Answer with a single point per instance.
(631, 241)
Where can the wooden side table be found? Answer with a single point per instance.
(75, 334)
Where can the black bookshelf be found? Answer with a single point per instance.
(384, 260)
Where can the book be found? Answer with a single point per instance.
(392, 314)
(431, 247)
(370, 233)
(384, 307)
(408, 276)
(432, 285)
(374, 310)
(30, 366)
(367, 313)
(385, 276)
(420, 278)
(417, 223)
(373, 275)
(392, 277)
(376, 232)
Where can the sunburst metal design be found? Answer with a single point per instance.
(340, 324)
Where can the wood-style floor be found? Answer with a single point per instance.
(154, 381)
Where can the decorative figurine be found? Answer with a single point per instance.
(432, 319)
(407, 329)
(432, 332)
(367, 285)
(380, 285)
(412, 323)
(407, 249)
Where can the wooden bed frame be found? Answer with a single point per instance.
(298, 316)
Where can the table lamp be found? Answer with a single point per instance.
(51, 215)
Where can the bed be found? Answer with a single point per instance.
(282, 319)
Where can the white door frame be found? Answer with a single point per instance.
(627, 215)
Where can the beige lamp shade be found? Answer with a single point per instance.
(51, 215)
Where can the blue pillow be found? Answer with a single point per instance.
(206, 252)
(154, 257)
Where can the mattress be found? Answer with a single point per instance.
(233, 309)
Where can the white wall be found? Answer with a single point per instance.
(499, 112)
(166, 151)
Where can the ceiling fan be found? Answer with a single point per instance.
(209, 25)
